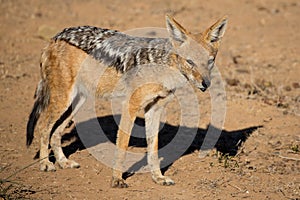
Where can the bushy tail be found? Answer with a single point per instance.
(42, 100)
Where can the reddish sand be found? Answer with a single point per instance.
(259, 63)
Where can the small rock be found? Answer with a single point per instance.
(232, 82)
(287, 88)
(236, 59)
(282, 105)
(268, 101)
(243, 71)
(296, 85)
(267, 119)
(262, 21)
(267, 83)
(247, 86)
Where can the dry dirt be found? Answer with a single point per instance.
(258, 155)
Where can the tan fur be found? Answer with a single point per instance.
(68, 72)
(108, 82)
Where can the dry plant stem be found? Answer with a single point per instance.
(15, 173)
(289, 158)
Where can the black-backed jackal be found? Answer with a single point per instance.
(62, 90)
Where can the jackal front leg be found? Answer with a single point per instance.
(123, 136)
(152, 118)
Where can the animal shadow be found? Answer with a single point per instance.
(174, 141)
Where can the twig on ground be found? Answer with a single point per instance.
(289, 158)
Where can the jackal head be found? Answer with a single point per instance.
(195, 53)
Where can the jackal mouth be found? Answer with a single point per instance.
(203, 89)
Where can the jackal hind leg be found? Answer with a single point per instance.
(152, 120)
(44, 127)
(48, 124)
(55, 141)
(123, 136)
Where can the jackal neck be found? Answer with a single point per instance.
(116, 49)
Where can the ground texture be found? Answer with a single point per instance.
(257, 156)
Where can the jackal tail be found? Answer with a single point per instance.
(41, 102)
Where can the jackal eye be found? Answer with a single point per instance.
(211, 63)
(190, 62)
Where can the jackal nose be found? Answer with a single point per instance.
(206, 83)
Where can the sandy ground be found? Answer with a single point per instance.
(257, 156)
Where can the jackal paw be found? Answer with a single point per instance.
(47, 166)
(118, 183)
(68, 164)
(164, 180)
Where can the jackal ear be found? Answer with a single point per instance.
(177, 33)
(216, 31)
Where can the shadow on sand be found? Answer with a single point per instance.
(228, 142)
